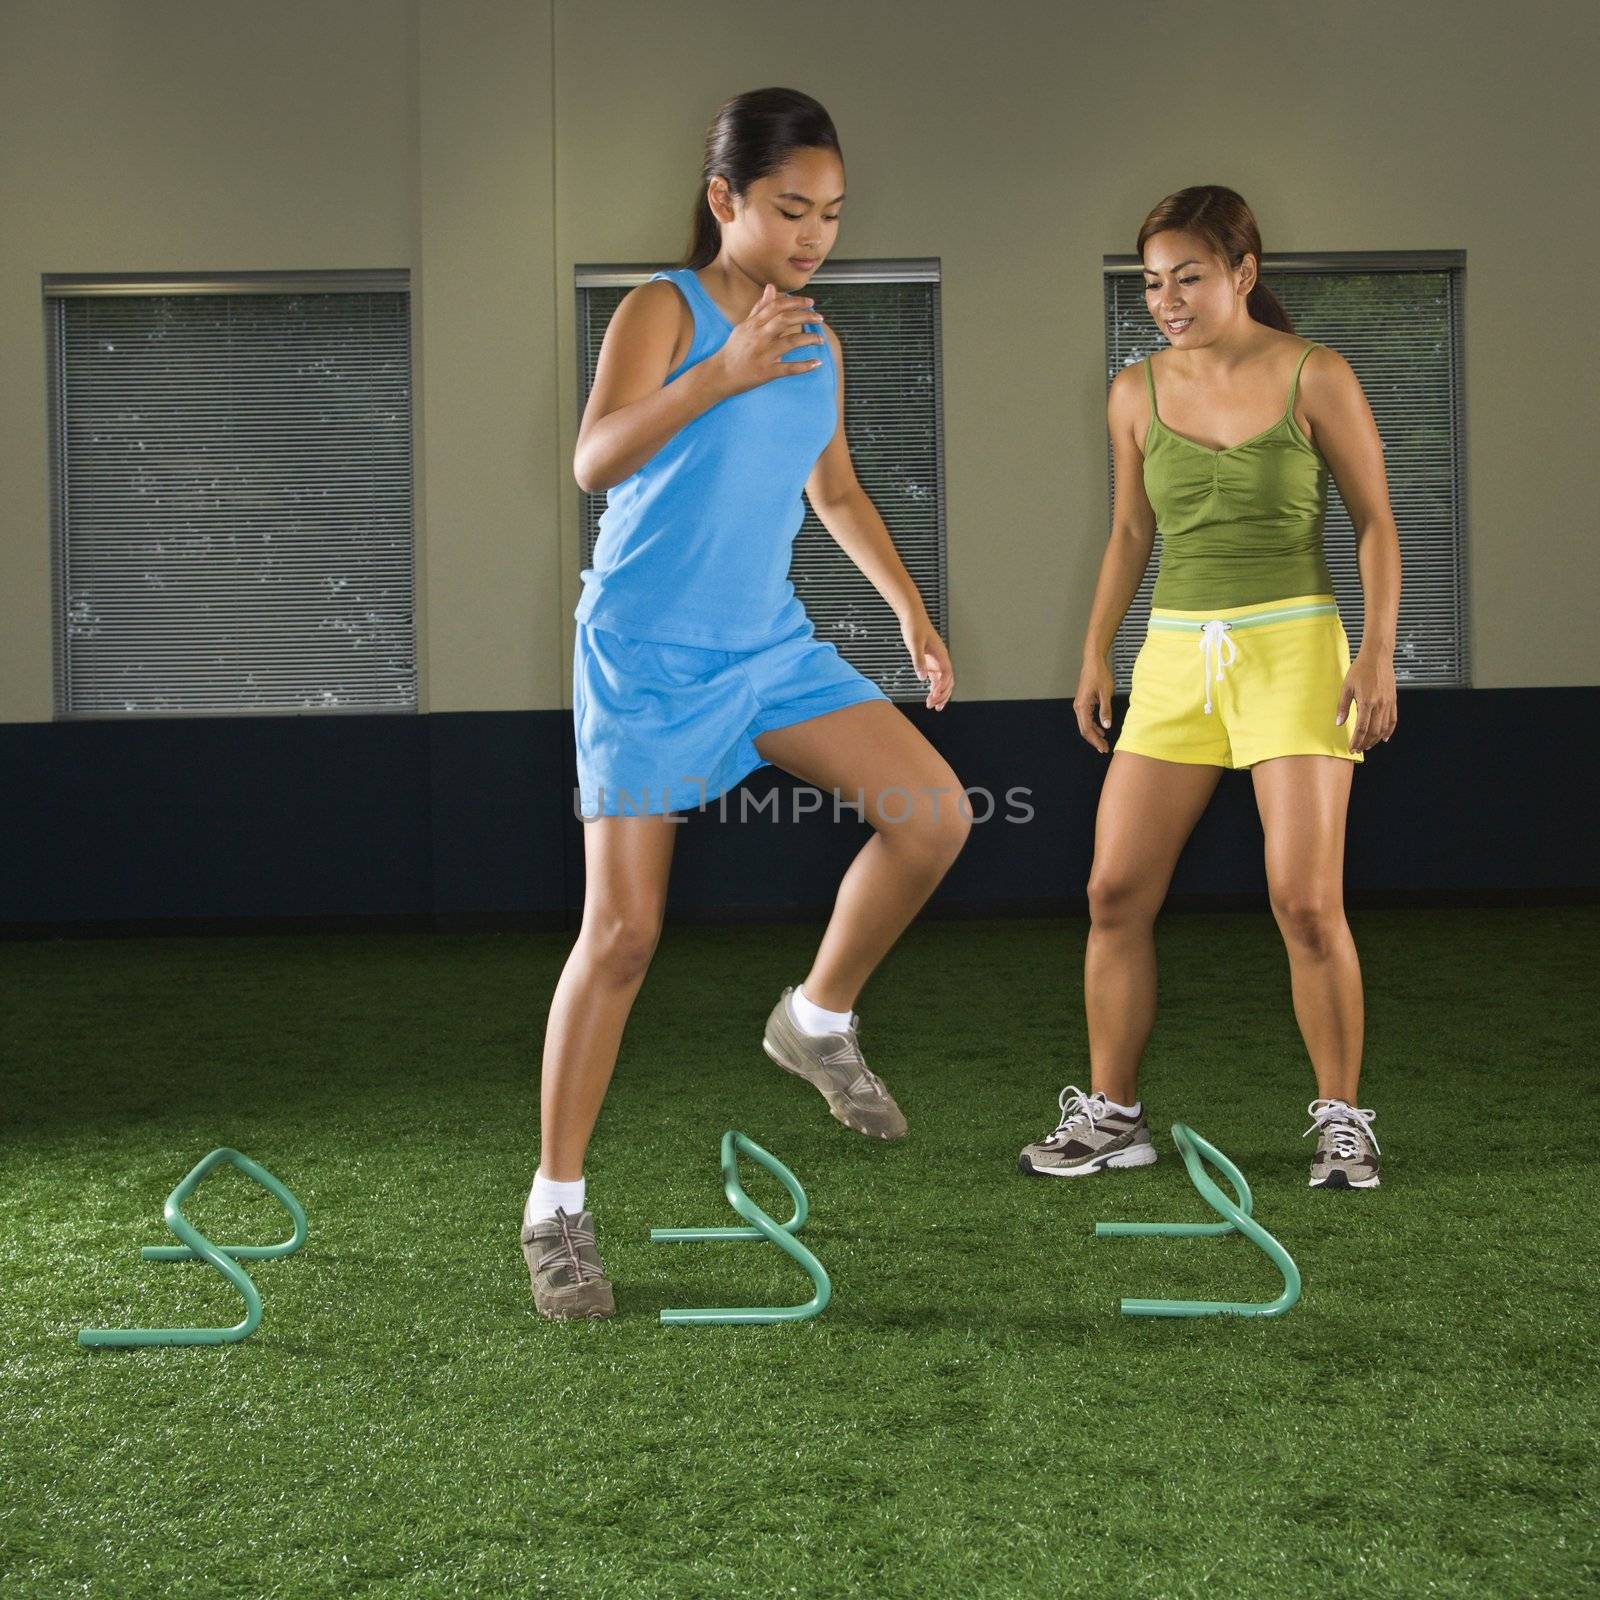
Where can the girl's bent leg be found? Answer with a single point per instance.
(913, 801)
(627, 863)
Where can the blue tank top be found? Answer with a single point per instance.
(694, 548)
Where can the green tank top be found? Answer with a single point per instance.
(1241, 525)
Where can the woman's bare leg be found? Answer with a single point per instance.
(911, 798)
(1148, 809)
(1303, 802)
(627, 863)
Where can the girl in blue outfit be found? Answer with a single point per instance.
(718, 397)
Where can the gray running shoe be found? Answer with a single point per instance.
(1347, 1152)
(564, 1265)
(1089, 1138)
(832, 1062)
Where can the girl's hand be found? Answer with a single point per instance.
(929, 660)
(1092, 702)
(754, 352)
(1370, 683)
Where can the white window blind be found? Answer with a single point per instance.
(232, 493)
(886, 314)
(1396, 318)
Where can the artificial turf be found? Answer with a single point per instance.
(970, 1415)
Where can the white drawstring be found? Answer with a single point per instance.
(1213, 636)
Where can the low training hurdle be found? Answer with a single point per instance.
(196, 1247)
(763, 1227)
(1237, 1220)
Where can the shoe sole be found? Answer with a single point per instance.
(1339, 1180)
(1140, 1155)
(574, 1315)
(574, 1310)
(833, 1111)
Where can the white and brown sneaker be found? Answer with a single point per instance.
(1090, 1137)
(1347, 1152)
(833, 1064)
(564, 1266)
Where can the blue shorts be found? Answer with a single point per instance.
(667, 727)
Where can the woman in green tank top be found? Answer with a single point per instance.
(1225, 441)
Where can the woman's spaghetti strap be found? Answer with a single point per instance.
(1294, 382)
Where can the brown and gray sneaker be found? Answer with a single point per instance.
(832, 1063)
(1347, 1152)
(564, 1266)
(1089, 1138)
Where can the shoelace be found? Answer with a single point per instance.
(1214, 636)
(849, 1055)
(1076, 1106)
(571, 1237)
(869, 1083)
(1346, 1125)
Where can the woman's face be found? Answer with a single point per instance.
(783, 227)
(1192, 295)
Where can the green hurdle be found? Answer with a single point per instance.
(763, 1227)
(1238, 1219)
(196, 1247)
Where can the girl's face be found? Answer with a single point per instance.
(783, 227)
(1192, 295)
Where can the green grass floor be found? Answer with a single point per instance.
(970, 1416)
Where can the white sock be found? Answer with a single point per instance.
(1126, 1111)
(813, 1019)
(546, 1194)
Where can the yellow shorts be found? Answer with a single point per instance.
(1232, 687)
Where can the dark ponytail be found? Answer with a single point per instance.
(1221, 218)
(750, 137)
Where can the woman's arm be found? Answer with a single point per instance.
(631, 413)
(1133, 520)
(1343, 429)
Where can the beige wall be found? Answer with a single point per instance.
(492, 144)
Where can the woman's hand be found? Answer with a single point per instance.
(1092, 702)
(929, 659)
(1370, 683)
(754, 352)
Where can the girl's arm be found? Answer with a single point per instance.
(631, 413)
(845, 510)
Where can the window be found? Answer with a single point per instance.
(1396, 318)
(231, 503)
(886, 314)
